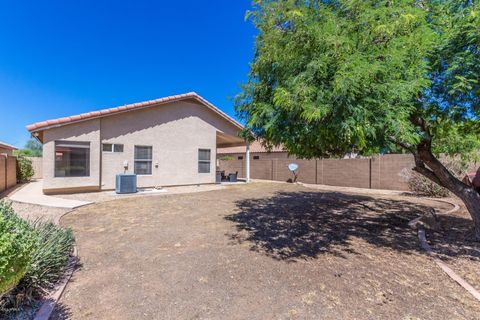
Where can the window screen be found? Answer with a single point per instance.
(118, 148)
(203, 160)
(109, 147)
(143, 160)
(72, 159)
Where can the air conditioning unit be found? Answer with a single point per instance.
(126, 183)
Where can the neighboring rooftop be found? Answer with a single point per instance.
(39, 126)
(256, 147)
(4, 145)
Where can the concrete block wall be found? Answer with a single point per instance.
(37, 167)
(8, 172)
(378, 172)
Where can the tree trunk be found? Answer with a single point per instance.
(437, 172)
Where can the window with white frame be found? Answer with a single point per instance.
(204, 160)
(112, 147)
(143, 160)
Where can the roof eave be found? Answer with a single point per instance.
(38, 127)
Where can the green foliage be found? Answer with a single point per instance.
(32, 255)
(227, 158)
(17, 241)
(454, 60)
(24, 168)
(329, 77)
(50, 257)
(32, 148)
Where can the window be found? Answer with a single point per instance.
(240, 158)
(118, 148)
(203, 160)
(143, 160)
(109, 147)
(256, 157)
(72, 159)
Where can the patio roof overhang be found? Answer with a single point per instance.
(224, 140)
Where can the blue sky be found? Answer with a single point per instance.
(59, 58)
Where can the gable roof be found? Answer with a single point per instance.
(4, 145)
(43, 125)
(255, 147)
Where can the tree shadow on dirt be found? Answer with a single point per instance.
(303, 225)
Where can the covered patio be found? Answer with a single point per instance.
(228, 141)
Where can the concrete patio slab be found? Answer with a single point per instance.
(32, 193)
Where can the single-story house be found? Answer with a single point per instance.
(6, 149)
(165, 142)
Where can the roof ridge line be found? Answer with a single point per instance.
(46, 124)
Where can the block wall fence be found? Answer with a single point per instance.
(8, 172)
(378, 172)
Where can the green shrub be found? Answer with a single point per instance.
(51, 255)
(24, 168)
(227, 158)
(17, 241)
(33, 256)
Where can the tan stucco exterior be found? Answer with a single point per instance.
(175, 131)
(6, 151)
(88, 131)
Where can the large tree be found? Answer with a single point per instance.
(329, 77)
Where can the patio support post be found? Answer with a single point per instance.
(247, 159)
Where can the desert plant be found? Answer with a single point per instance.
(33, 256)
(24, 168)
(423, 186)
(17, 241)
(52, 252)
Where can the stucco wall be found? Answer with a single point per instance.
(88, 131)
(6, 151)
(175, 131)
(37, 165)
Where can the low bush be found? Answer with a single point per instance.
(17, 242)
(24, 168)
(33, 256)
(423, 186)
(48, 260)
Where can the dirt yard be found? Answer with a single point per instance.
(264, 251)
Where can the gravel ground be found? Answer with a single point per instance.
(103, 196)
(259, 251)
(33, 212)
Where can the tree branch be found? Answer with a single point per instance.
(403, 145)
(428, 174)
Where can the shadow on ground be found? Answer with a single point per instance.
(61, 312)
(303, 225)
